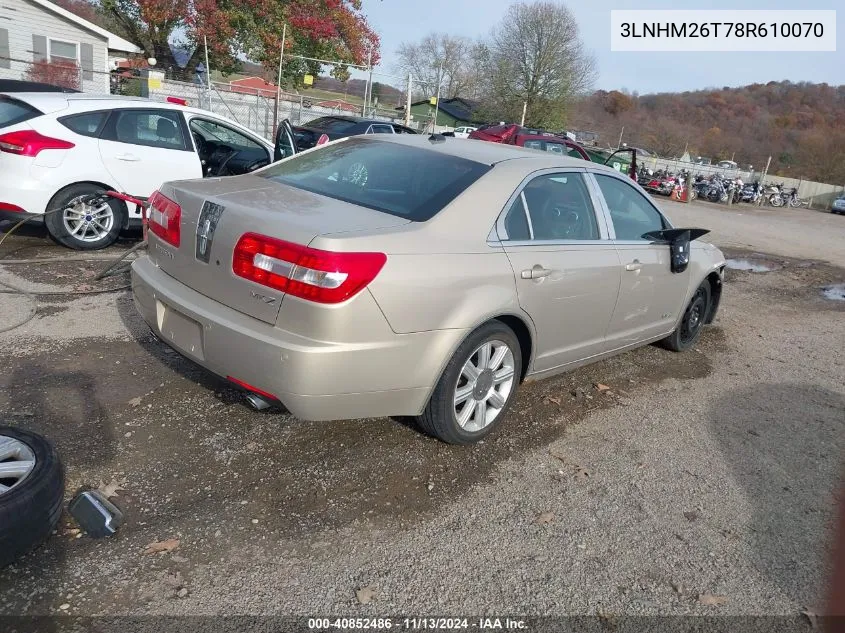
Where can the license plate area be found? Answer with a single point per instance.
(180, 331)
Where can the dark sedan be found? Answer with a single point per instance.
(340, 126)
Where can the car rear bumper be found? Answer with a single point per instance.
(314, 380)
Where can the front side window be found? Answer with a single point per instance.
(553, 207)
(215, 132)
(406, 181)
(154, 128)
(380, 129)
(632, 214)
(64, 52)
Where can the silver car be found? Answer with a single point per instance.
(417, 276)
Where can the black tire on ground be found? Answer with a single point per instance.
(439, 419)
(30, 510)
(54, 220)
(689, 329)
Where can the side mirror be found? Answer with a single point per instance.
(679, 244)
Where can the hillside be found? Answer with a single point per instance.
(800, 125)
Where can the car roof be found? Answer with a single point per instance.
(53, 101)
(490, 153)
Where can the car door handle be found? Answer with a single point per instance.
(537, 272)
(634, 265)
(128, 157)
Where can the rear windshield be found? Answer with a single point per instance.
(331, 124)
(13, 112)
(411, 182)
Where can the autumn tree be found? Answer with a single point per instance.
(324, 29)
(616, 103)
(537, 58)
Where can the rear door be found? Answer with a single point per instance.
(651, 296)
(567, 270)
(142, 148)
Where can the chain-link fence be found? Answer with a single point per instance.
(259, 109)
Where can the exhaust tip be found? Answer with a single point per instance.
(258, 403)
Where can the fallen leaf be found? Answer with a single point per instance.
(555, 400)
(162, 546)
(601, 387)
(811, 617)
(690, 516)
(366, 594)
(557, 455)
(544, 518)
(110, 489)
(134, 402)
(708, 599)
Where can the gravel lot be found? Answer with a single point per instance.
(711, 473)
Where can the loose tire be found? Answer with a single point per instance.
(31, 491)
(689, 329)
(84, 227)
(476, 386)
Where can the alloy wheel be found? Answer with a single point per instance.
(86, 222)
(484, 385)
(16, 463)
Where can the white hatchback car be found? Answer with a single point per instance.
(463, 132)
(56, 149)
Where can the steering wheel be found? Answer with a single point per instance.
(220, 169)
(564, 222)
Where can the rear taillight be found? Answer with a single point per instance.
(165, 218)
(30, 143)
(307, 273)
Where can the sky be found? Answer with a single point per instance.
(398, 21)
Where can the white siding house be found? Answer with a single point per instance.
(37, 32)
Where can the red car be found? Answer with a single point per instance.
(545, 141)
(530, 138)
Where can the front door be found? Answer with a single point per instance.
(651, 296)
(144, 148)
(567, 270)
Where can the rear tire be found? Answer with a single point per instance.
(31, 506)
(81, 226)
(689, 329)
(464, 409)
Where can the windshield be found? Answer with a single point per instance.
(410, 182)
(331, 124)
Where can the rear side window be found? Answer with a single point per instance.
(331, 124)
(410, 182)
(87, 124)
(13, 112)
(153, 128)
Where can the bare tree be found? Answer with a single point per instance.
(423, 59)
(537, 57)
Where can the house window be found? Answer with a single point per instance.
(64, 52)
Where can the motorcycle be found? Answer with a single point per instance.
(773, 194)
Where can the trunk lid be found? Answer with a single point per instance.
(216, 213)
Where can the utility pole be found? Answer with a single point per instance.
(763, 180)
(408, 101)
(524, 110)
(368, 87)
(437, 98)
(279, 80)
(207, 71)
(618, 145)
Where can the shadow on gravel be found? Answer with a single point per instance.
(784, 444)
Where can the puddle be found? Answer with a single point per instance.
(835, 292)
(750, 265)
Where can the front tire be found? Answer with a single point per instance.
(32, 489)
(476, 386)
(689, 329)
(73, 223)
